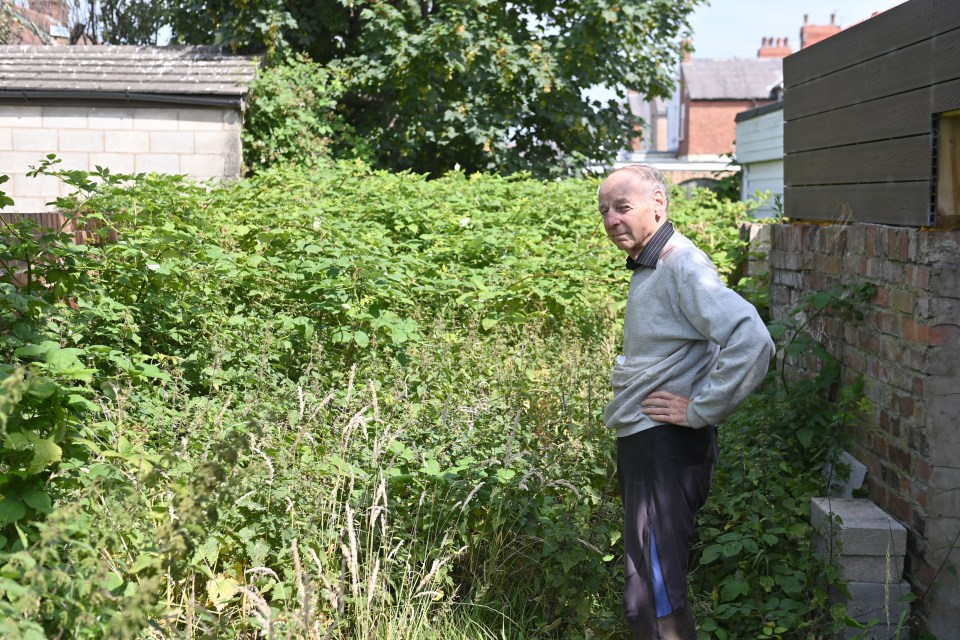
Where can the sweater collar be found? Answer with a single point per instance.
(651, 251)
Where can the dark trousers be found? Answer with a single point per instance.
(665, 474)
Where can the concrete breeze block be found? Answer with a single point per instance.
(157, 163)
(43, 140)
(156, 119)
(864, 529)
(171, 142)
(81, 140)
(126, 141)
(869, 569)
(64, 117)
(17, 116)
(202, 119)
(111, 117)
(879, 604)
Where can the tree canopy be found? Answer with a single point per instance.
(485, 85)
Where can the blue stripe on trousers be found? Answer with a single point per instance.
(660, 598)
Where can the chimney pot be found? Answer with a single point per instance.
(833, 17)
(806, 18)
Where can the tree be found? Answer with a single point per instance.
(484, 84)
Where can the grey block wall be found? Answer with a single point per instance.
(870, 547)
(202, 143)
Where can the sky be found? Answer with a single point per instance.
(735, 28)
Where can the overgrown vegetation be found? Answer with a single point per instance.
(330, 402)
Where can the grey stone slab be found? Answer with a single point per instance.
(878, 606)
(861, 529)
(868, 569)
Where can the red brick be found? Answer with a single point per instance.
(905, 405)
(918, 276)
(919, 494)
(918, 386)
(918, 522)
(900, 508)
(900, 458)
(903, 300)
(882, 297)
(915, 332)
(944, 334)
(921, 469)
(869, 342)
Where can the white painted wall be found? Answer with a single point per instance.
(199, 142)
(760, 152)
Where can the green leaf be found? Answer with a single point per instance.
(37, 499)
(11, 510)
(45, 453)
(42, 387)
(361, 339)
(489, 323)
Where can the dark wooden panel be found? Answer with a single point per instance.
(899, 160)
(897, 203)
(891, 30)
(923, 64)
(904, 114)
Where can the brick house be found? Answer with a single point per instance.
(132, 109)
(691, 135)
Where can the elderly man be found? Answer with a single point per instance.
(693, 350)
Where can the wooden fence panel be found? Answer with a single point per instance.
(898, 160)
(895, 116)
(897, 203)
(919, 65)
(891, 30)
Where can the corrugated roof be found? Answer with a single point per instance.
(733, 79)
(114, 70)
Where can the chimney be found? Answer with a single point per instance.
(770, 48)
(686, 47)
(814, 33)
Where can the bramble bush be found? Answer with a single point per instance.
(329, 402)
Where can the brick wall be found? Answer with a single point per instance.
(199, 142)
(710, 125)
(907, 348)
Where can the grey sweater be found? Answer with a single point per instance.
(685, 332)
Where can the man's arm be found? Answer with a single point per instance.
(724, 317)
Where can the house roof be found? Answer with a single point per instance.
(733, 79)
(195, 75)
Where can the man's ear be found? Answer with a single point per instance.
(660, 204)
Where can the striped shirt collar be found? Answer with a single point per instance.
(651, 252)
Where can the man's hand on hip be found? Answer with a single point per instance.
(664, 406)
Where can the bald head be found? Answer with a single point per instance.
(645, 174)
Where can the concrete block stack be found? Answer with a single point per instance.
(870, 547)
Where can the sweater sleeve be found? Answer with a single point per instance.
(722, 316)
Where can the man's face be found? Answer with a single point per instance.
(632, 211)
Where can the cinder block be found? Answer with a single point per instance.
(202, 119)
(157, 163)
(19, 161)
(17, 116)
(44, 140)
(80, 140)
(6, 139)
(220, 142)
(855, 568)
(203, 165)
(844, 487)
(23, 186)
(879, 606)
(171, 142)
(29, 205)
(126, 141)
(103, 118)
(65, 117)
(864, 529)
(116, 162)
(156, 119)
